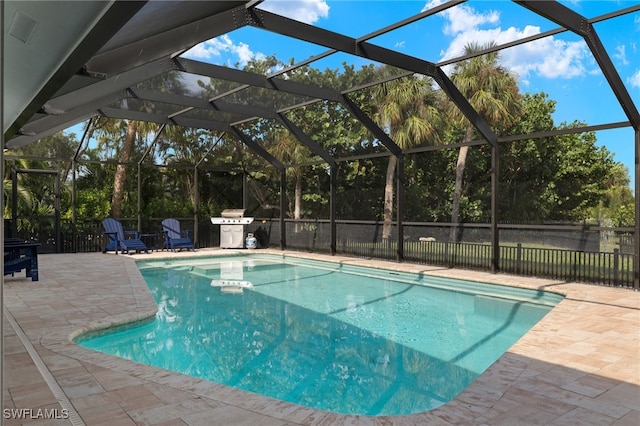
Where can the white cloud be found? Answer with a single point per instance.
(634, 80)
(549, 57)
(463, 17)
(307, 11)
(621, 55)
(223, 46)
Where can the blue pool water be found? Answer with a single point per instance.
(333, 337)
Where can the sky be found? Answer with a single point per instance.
(561, 65)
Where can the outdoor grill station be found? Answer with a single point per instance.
(232, 223)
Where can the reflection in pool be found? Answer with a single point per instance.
(328, 336)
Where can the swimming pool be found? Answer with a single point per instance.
(324, 335)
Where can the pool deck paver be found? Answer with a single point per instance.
(579, 365)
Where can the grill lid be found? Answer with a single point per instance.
(232, 213)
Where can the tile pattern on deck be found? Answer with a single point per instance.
(579, 365)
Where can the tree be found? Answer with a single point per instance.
(617, 203)
(135, 131)
(291, 151)
(493, 92)
(526, 166)
(405, 107)
(579, 182)
(37, 194)
(24, 188)
(556, 177)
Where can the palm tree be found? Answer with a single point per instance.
(121, 168)
(291, 151)
(493, 92)
(24, 187)
(170, 82)
(405, 107)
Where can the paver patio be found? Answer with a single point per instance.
(579, 365)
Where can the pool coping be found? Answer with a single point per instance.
(570, 366)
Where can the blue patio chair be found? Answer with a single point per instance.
(117, 240)
(174, 238)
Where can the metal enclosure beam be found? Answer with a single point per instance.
(50, 124)
(396, 151)
(318, 150)
(370, 125)
(495, 211)
(192, 102)
(196, 186)
(74, 171)
(256, 80)
(200, 124)
(566, 17)
(257, 148)
(636, 276)
(166, 43)
(283, 178)
(118, 14)
(144, 155)
(134, 115)
(333, 186)
(83, 103)
(306, 32)
(306, 140)
(301, 31)
(400, 207)
(580, 25)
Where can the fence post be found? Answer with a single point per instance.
(519, 258)
(616, 266)
(446, 253)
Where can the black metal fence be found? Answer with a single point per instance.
(587, 253)
(591, 254)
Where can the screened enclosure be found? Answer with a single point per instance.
(356, 149)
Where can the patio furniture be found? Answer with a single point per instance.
(117, 241)
(19, 255)
(150, 240)
(174, 238)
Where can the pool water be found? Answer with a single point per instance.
(332, 337)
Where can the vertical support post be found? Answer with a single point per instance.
(74, 183)
(447, 260)
(139, 197)
(245, 192)
(56, 208)
(196, 185)
(283, 208)
(400, 207)
(14, 201)
(74, 214)
(333, 176)
(2, 58)
(283, 178)
(196, 202)
(636, 259)
(495, 182)
(616, 267)
(144, 155)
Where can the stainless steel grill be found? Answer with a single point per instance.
(232, 223)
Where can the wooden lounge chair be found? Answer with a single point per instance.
(19, 255)
(174, 238)
(117, 240)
